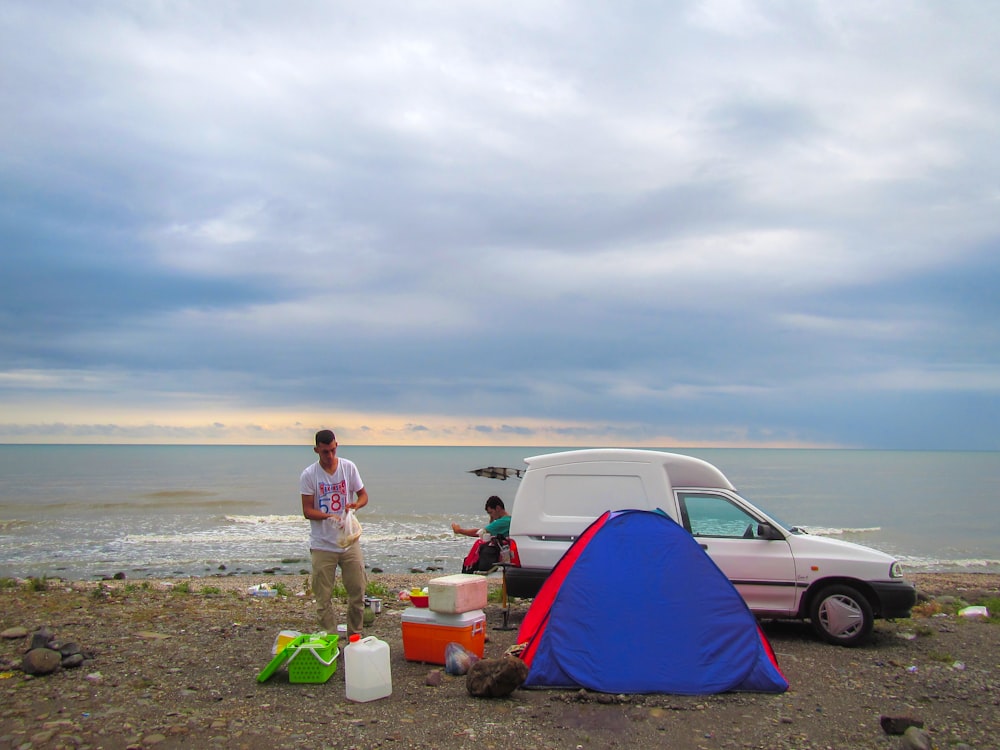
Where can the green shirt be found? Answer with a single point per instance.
(499, 527)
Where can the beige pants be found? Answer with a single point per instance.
(324, 575)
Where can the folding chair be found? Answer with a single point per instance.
(504, 601)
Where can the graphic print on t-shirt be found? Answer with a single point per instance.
(333, 496)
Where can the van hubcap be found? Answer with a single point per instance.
(841, 616)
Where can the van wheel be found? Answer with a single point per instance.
(841, 615)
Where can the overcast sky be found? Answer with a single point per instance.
(533, 223)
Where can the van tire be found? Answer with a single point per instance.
(841, 615)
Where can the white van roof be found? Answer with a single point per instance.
(683, 471)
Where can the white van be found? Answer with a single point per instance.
(781, 573)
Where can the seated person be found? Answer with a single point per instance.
(499, 524)
(488, 549)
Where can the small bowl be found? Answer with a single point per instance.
(419, 601)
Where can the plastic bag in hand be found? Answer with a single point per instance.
(348, 530)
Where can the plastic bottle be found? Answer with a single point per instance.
(366, 669)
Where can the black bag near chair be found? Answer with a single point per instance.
(485, 556)
(489, 555)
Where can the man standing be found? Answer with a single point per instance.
(331, 487)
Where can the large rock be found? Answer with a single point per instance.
(915, 738)
(41, 638)
(495, 678)
(434, 678)
(898, 724)
(40, 661)
(72, 661)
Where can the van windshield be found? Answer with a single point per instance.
(780, 522)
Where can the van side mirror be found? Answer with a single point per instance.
(767, 531)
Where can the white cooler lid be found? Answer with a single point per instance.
(455, 579)
(430, 617)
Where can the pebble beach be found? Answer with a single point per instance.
(172, 664)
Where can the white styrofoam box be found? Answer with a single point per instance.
(462, 592)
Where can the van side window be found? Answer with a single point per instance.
(711, 515)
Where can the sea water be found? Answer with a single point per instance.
(82, 512)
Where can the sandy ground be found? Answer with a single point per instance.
(175, 666)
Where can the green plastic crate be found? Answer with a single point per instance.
(314, 660)
(311, 658)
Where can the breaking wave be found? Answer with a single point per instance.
(822, 531)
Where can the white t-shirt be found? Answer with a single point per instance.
(331, 493)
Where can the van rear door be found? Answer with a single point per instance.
(562, 495)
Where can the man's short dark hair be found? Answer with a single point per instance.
(325, 437)
(494, 502)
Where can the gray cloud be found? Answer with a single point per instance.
(710, 222)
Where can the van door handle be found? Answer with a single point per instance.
(702, 545)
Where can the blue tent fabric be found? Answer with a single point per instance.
(641, 608)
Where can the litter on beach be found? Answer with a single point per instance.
(974, 612)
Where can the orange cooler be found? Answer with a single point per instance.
(427, 633)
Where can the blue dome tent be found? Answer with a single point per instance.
(636, 606)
